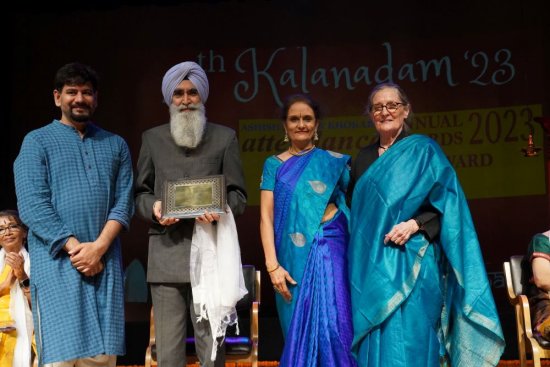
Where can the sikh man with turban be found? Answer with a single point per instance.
(186, 147)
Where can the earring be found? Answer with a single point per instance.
(285, 139)
(315, 137)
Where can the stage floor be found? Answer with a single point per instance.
(512, 363)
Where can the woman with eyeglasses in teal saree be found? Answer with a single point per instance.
(417, 300)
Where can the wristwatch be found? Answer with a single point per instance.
(25, 283)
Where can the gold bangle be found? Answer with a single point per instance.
(275, 268)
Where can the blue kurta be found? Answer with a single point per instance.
(415, 302)
(71, 186)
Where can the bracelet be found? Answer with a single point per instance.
(275, 268)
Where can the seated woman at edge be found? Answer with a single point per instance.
(536, 266)
(16, 328)
(417, 300)
(304, 231)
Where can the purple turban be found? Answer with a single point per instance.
(190, 70)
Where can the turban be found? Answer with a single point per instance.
(190, 70)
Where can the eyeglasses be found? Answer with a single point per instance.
(12, 227)
(391, 107)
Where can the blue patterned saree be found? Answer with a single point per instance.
(317, 322)
(421, 304)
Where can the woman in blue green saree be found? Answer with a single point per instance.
(417, 300)
(304, 230)
(536, 266)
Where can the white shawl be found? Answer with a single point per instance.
(216, 275)
(22, 315)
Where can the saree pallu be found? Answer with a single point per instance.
(8, 339)
(15, 346)
(317, 322)
(422, 300)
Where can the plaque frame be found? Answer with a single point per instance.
(177, 203)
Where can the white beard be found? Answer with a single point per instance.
(187, 127)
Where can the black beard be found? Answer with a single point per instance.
(80, 118)
(83, 117)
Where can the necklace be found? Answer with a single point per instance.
(384, 148)
(301, 152)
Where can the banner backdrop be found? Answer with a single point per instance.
(477, 98)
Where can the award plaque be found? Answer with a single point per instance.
(190, 198)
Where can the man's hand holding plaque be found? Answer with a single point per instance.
(165, 221)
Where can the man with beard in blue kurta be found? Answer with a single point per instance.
(74, 190)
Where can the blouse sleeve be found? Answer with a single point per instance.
(539, 247)
(429, 222)
(267, 181)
